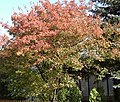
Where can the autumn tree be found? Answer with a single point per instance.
(51, 38)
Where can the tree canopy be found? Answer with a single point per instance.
(51, 38)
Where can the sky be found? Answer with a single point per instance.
(7, 8)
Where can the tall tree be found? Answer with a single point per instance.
(108, 9)
(47, 39)
(51, 38)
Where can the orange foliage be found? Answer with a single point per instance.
(3, 39)
(46, 20)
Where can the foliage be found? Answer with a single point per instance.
(108, 9)
(116, 76)
(36, 82)
(3, 40)
(3, 87)
(51, 36)
(71, 94)
(94, 96)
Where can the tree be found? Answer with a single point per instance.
(108, 9)
(46, 39)
(51, 38)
